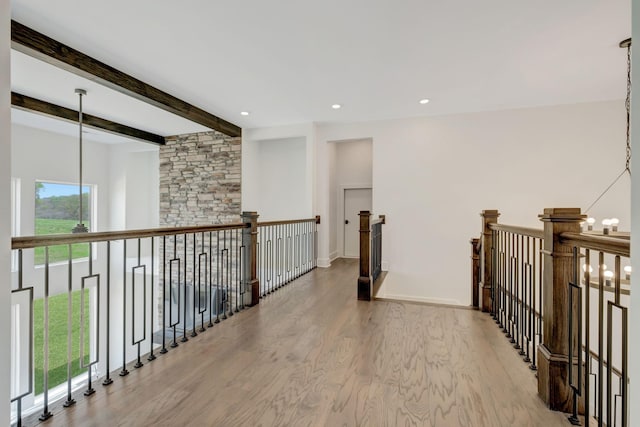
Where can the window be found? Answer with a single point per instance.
(57, 211)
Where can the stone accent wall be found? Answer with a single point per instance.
(200, 179)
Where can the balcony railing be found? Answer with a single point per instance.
(286, 250)
(554, 295)
(138, 295)
(516, 289)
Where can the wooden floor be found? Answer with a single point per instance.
(311, 355)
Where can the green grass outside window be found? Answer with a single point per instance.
(59, 253)
(58, 325)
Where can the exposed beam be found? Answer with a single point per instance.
(27, 103)
(38, 45)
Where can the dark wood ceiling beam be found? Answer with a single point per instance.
(27, 103)
(38, 45)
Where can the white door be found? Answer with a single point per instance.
(355, 200)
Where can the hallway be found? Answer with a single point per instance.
(312, 355)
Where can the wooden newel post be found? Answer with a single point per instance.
(475, 272)
(486, 261)
(364, 281)
(250, 241)
(553, 365)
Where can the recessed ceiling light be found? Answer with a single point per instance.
(244, 113)
(336, 106)
(424, 101)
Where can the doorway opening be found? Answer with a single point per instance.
(351, 186)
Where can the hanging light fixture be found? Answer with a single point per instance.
(80, 228)
(624, 44)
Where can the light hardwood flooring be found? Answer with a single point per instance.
(312, 355)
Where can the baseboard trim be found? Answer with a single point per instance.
(421, 300)
(333, 256)
(324, 262)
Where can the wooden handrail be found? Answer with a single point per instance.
(315, 220)
(515, 229)
(28, 242)
(610, 245)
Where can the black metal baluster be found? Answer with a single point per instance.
(138, 343)
(495, 276)
(124, 370)
(272, 287)
(70, 401)
(263, 261)
(90, 390)
(495, 279)
(229, 250)
(297, 226)
(46, 414)
(218, 290)
(499, 277)
(184, 290)
(18, 399)
(521, 300)
(210, 298)
(174, 325)
(202, 265)
(509, 284)
(587, 335)
(193, 282)
(534, 283)
(237, 270)
(153, 271)
(164, 295)
(108, 380)
(528, 302)
(243, 277)
(573, 334)
(503, 280)
(541, 315)
(600, 338)
(225, 296)
(279, 255)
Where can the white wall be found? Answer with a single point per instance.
(5, 204)
(280, 186)
(134, 191)
(278, 171)
(433, 176)
(634, 314)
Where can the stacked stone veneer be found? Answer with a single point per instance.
(199, 185)
(200, 179)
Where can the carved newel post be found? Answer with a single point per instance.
(486, 273)
(553, 365)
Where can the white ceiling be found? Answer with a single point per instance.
(287, 61)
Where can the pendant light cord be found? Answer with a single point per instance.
(627, 104)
